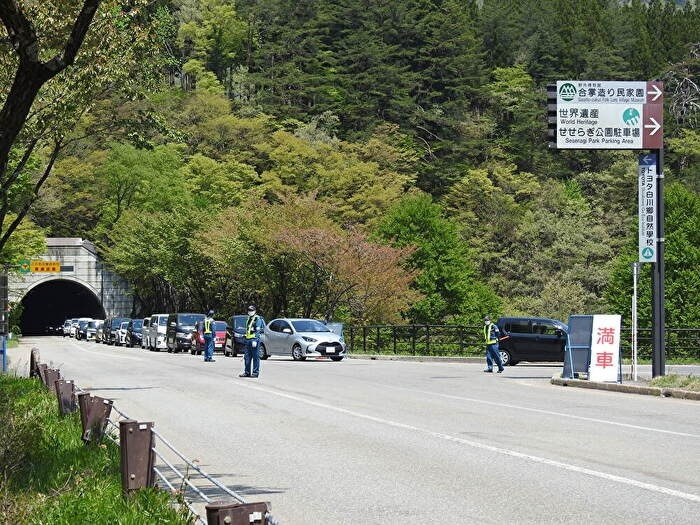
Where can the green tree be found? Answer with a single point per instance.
(447, 278)
(682, 261)
(47, 85)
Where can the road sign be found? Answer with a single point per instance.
(605, 348)
(608, 114)
(647, 208)
(45, 266)
(25, 266)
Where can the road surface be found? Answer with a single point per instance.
(384, 442)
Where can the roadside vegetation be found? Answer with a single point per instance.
(48, 475)
(367, 162)
(677, 381)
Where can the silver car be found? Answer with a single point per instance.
(301, 338)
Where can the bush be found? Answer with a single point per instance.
(48, 475)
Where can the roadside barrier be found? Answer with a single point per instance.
(142, 464)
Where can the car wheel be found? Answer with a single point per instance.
(298, 353)
(262, 352)
(506, 359)
(337, 357)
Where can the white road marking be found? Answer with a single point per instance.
(474, 444)
(547, 412)
(87, 349)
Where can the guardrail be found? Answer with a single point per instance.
(463, 340)
(142, 461)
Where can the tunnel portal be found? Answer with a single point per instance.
(48, 304)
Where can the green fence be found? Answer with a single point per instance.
(456, 340)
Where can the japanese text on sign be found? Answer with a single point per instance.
(647, 208)
(45, 266)
(605, 348)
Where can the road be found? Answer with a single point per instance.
(384, 442)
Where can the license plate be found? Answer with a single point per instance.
(330, 350)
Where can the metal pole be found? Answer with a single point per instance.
(635, 279)
(658, 319)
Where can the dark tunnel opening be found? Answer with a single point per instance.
(49, 304)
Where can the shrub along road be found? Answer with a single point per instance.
(404, 442)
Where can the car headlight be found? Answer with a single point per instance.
(308, 339)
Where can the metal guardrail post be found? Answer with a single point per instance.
(94, 413)
(51, 375)
(65, 392)
(137, 457)
(40, 367)
(237, 513)
(34, 363)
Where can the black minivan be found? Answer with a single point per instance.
(178, 334)
(531, 339)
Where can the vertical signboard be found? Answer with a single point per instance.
(605, 348)
(647, 208)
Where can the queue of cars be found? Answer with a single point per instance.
(181, 332)
(523, 338)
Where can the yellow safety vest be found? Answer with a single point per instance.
(487, 335)
(250, 327)
(207, 325)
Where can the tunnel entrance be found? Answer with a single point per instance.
(50, 303)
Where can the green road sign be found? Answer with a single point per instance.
(25, 266)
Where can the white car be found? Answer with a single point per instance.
(156, 332)
(121, 334)
(301, 338)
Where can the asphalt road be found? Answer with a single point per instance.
(383, 442)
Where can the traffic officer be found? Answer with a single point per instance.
(208, 334)
(253, 328)
(491, 333)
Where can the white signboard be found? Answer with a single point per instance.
(609, 115)
(605, 348)
(647, 208)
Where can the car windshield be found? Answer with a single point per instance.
(137, 324)
(239, 322)
(309, 325)
(92, 324)
(162, 321)
(220, 326)
(188, 319)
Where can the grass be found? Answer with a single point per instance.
(48, 475)
(676, 381)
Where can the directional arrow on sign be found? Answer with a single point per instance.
(654, 126)
(656, 92)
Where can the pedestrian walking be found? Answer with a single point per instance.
(208, 335)
(253, 329)
(493, 355)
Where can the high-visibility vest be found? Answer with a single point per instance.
(207, 325)
(250, 325)
(489, 337)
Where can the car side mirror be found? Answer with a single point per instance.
(287, 330)
(559, 332)
(172, 324)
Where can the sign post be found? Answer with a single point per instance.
(588, 114)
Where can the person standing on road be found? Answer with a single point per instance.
(208, 335)
(493, 355)
(253, 329)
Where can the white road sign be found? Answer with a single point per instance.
(605, 348)
(609, 115)
(647, 208)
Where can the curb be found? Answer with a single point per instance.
(417, 358)
(627, 389)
